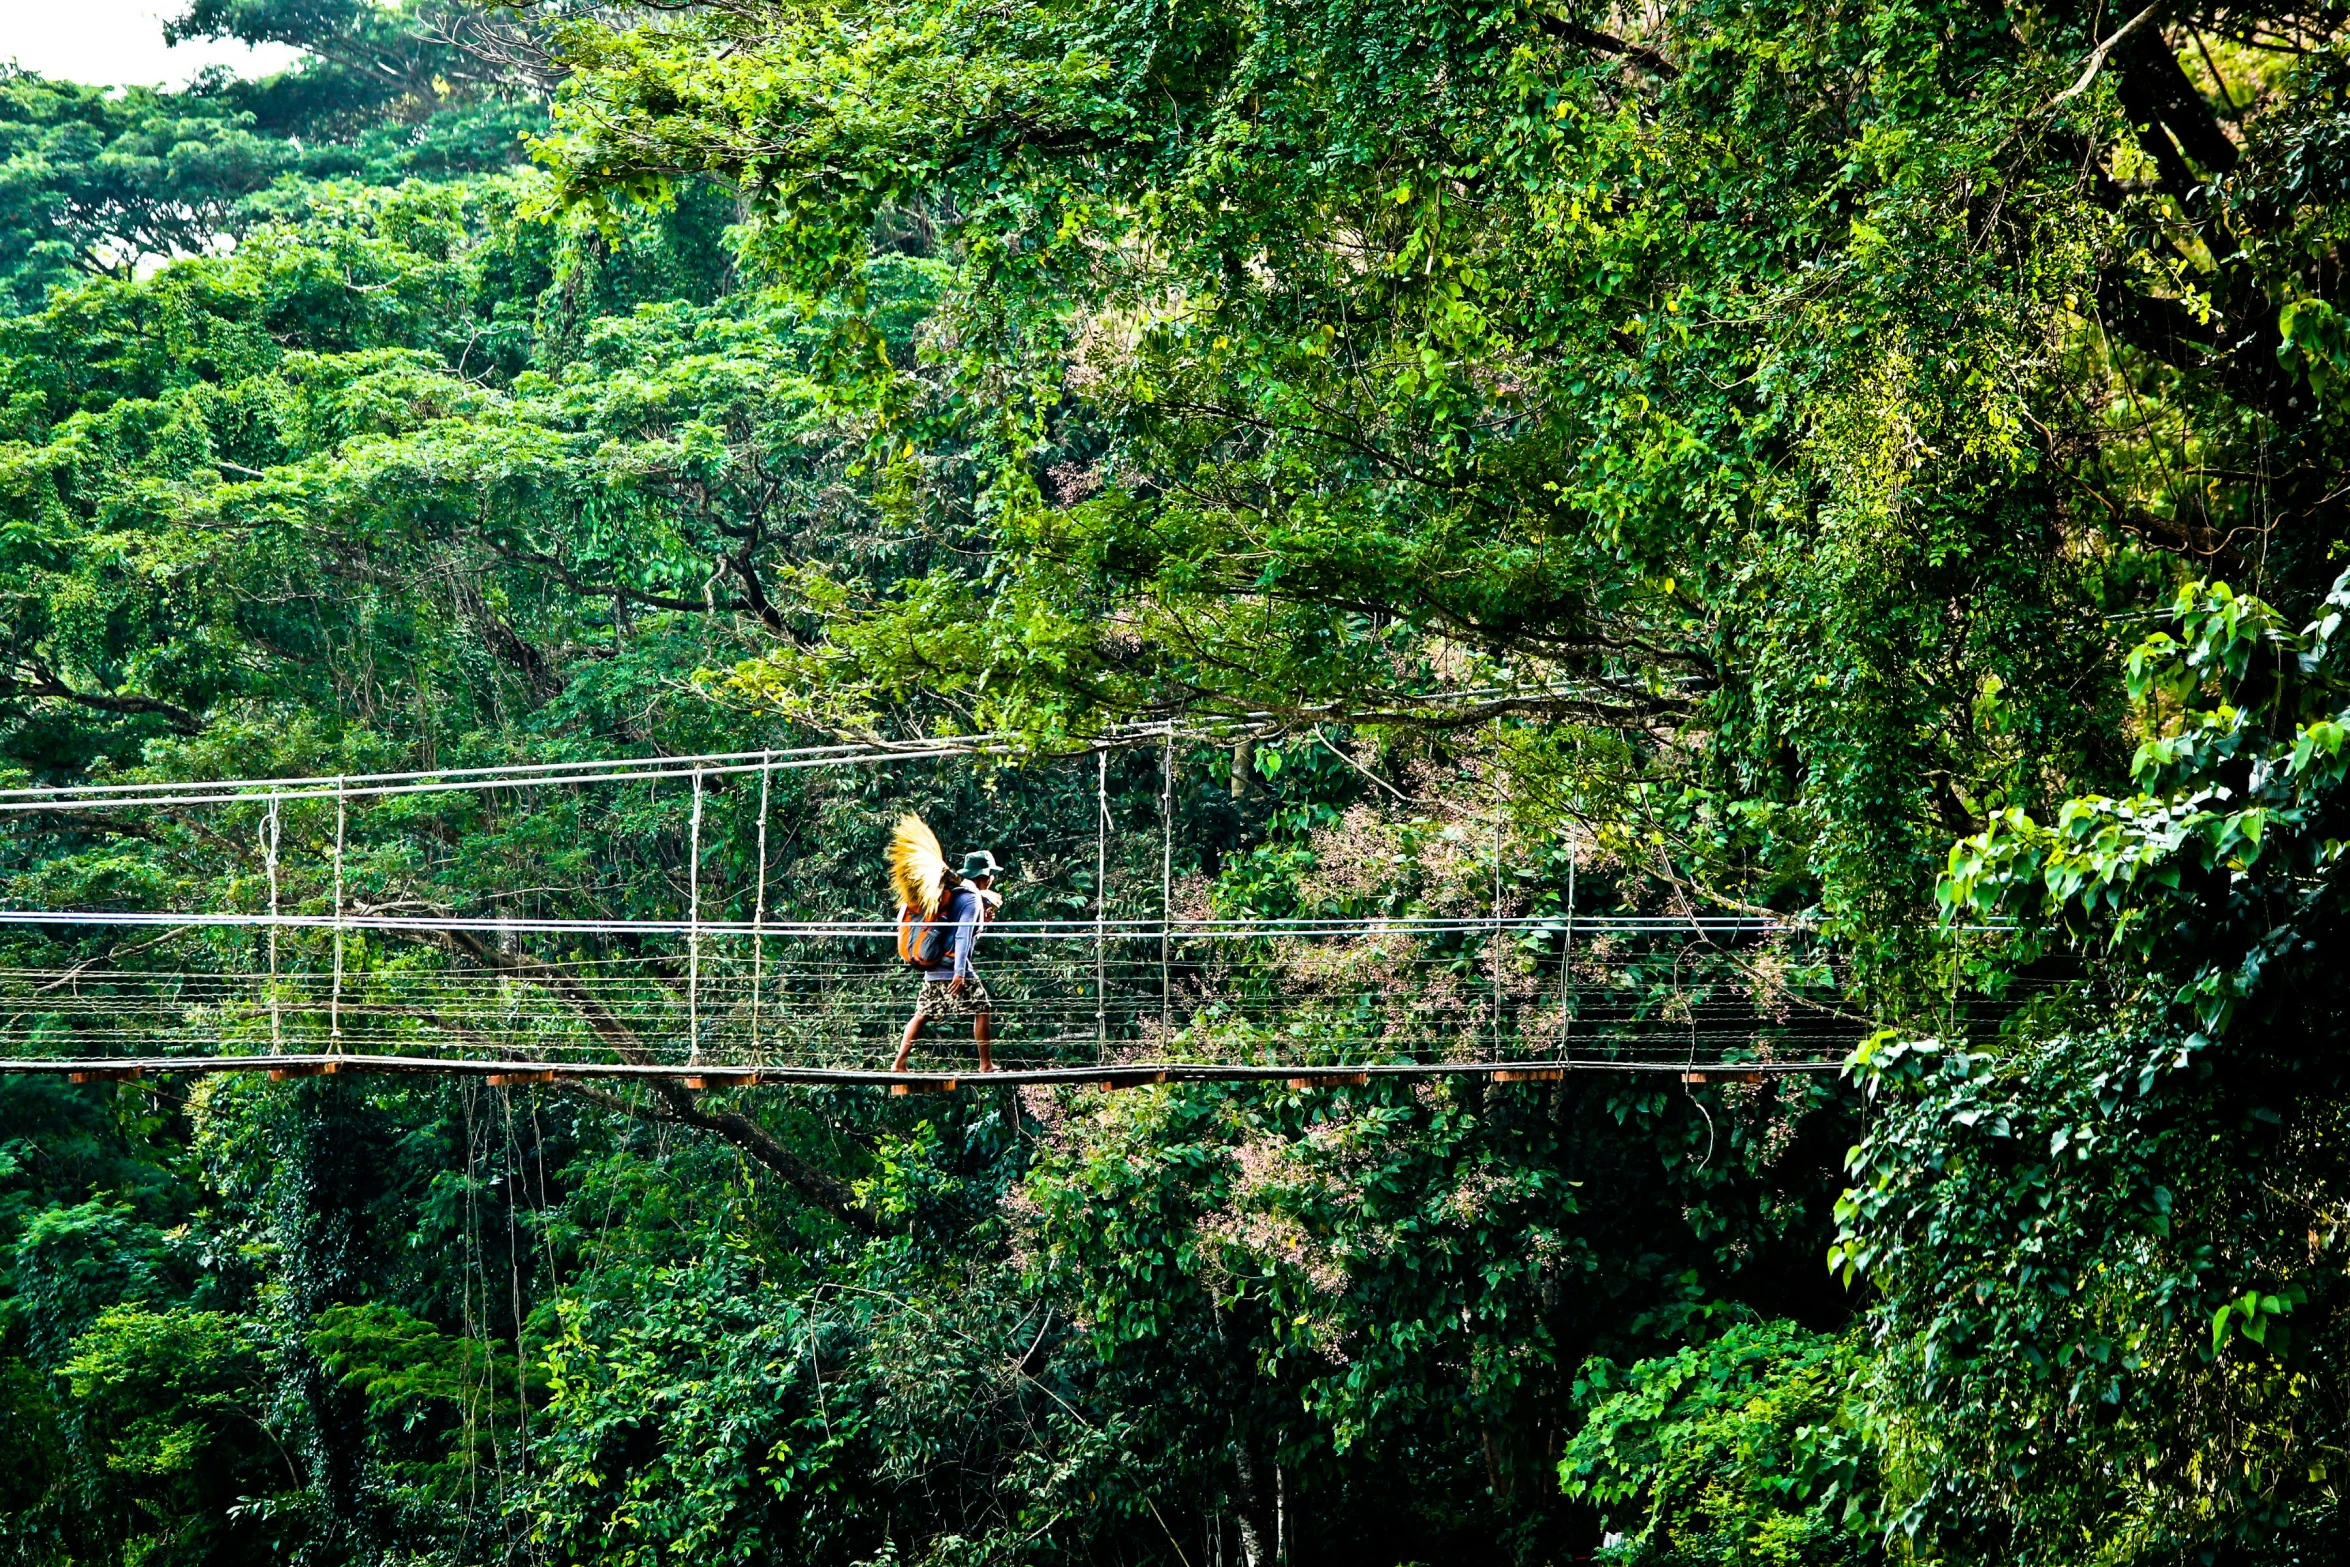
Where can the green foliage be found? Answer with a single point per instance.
(2316, 342)
(1753, 1447)
(2240, 773)
(365, 62)
(33, 1462)
(700, 1421)
(98, 182)
(1282, 1253)
(2102, 1306)
(93, 181)
(433, 1399)
(2063, 1249)
(71, 1264)
(170, 1411)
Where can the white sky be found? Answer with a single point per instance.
(117, 42)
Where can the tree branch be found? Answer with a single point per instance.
(681, 1106)
(38, 680)
(678, 1103)
(1608, 43)
(2097, 60)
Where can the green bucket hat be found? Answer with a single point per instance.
(978, 863)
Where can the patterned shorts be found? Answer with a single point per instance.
(936, 1000)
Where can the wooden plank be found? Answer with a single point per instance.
(278, 1074)
(1331, 1080)
(508, 1079)
(1539, 1074)
(106, 1074)
(1718, 1075)
(700, 1080)
(1117, 1080)
(926, 1086)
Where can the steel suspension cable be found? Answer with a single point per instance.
(530, 774)
(603, 769)
(652, 770)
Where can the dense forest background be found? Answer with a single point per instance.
(1881, 464)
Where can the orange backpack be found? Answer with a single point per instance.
(922, 942)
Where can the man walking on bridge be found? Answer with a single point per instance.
(939, 935)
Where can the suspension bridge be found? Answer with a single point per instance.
(661, 917)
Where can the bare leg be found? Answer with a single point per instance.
(979, 1031)
(906, 1045)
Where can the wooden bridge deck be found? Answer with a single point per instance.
(739, 1075)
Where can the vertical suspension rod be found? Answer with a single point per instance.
(269, 838)
(759, 903)
(1567, 958)
(1166, 875)
(1101, 894)
(1494, 950)
(334, 1005)
(693, 927)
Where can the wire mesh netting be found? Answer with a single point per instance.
(1392, 993)
(676, 912)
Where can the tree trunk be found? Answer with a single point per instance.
(1244, 1462)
